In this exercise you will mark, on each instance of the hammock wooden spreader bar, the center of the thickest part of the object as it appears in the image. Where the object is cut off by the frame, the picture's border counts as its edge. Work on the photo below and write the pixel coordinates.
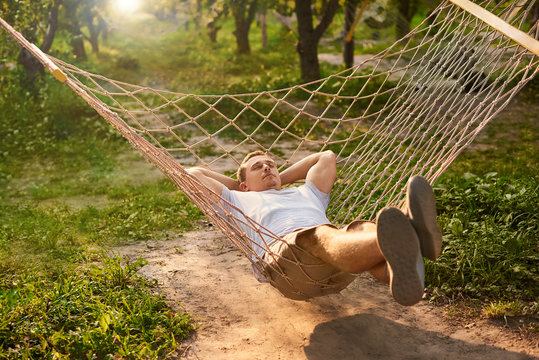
(409, 110)
(517, 35)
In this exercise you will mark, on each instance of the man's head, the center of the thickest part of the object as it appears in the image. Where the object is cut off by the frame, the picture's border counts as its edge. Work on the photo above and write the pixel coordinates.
(257, 172)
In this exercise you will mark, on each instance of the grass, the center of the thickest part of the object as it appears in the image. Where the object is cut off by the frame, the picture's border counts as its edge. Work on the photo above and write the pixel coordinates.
(56, 221)
(84, 199)
(71, 189)
(488, 205)
(490, 229)
(97, 313)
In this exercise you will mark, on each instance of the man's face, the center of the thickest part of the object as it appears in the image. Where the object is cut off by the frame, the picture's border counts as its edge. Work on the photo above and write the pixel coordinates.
(261, 174)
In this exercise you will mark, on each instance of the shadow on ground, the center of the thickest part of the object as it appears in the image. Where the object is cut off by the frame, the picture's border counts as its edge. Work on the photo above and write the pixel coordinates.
(367, 336)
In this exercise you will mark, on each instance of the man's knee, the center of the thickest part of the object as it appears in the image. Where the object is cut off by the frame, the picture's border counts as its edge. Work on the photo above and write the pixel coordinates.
(317, 239)
(307, 239)
(361, 226)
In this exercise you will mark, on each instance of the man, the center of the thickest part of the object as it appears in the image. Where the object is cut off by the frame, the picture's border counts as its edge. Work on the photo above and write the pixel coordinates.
(315, 258)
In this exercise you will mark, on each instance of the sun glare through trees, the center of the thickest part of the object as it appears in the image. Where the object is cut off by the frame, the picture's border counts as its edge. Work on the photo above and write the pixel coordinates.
(126, 6)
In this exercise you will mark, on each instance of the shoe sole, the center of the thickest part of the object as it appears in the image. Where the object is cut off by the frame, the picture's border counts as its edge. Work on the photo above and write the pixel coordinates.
(422, 213)
(399, 244)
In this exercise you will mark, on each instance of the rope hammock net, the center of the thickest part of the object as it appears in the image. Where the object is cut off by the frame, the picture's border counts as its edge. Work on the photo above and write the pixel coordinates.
(408, 110)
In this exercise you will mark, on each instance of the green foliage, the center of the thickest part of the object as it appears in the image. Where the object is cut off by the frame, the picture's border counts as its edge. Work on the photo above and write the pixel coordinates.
(490, 227)
(530, 93)
(27, 16)
(501, 309)
(97, 313)
(55, 148)
(37, 117)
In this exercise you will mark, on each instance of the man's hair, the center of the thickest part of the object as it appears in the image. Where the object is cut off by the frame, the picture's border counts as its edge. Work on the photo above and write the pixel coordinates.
(241, 170)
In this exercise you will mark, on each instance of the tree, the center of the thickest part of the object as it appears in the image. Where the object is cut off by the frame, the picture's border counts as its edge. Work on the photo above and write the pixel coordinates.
(217, 10)
(406, 10)
(348, 44)
(72, 24)
(263, 25)
(309, 35)
(38, 22)
(244, 12)
(94, 21)
(84, 21)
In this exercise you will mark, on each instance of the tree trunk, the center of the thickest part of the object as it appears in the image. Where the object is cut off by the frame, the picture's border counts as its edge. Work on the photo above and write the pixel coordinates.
(103, 28)
(535, 13)
(242, 34)
(309, 36)
(94, 41)
(308, 60)
(403, 26)
(307, 47)
(212, 31)
(77, 42)
(31, 65)
(94, 33)
(348, 46)
(52, 27)
(244, 13)
(263, 28)
(196, 13)
(95, 44)
(406, 10)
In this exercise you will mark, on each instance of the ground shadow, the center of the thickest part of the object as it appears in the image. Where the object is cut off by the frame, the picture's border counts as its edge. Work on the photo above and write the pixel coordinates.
(367, 336)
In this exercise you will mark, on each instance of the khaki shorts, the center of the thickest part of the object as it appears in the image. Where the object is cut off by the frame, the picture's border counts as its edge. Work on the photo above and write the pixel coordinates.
(298, 274)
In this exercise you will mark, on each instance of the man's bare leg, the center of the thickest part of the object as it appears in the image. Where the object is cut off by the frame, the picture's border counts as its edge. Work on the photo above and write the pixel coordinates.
(381, 272)
(353, 251)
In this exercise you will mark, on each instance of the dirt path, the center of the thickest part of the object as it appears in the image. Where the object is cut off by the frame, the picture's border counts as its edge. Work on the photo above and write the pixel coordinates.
(242, 319)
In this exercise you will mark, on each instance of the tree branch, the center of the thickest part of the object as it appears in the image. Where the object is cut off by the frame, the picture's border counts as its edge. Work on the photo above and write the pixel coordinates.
(53, 25)
(327, 18)
(251, 12)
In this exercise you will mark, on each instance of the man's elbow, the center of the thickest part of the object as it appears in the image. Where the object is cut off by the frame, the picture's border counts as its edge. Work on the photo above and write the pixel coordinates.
(197, 172)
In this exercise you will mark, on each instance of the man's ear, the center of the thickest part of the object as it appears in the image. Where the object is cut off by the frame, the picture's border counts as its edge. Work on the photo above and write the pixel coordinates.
(243, 187)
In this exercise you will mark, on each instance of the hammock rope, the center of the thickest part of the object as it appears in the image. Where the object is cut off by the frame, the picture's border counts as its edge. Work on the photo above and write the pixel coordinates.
(411, 109)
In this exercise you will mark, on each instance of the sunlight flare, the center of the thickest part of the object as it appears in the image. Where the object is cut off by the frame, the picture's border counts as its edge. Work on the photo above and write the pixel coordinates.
(127, 6)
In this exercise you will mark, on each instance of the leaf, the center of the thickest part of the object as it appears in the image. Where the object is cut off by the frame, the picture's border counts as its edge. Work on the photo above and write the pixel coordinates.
(104, 321)
(132, 216)
(456, 226)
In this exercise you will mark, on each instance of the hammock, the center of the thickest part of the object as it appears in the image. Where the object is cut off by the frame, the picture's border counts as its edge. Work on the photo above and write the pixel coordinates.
(408, 110)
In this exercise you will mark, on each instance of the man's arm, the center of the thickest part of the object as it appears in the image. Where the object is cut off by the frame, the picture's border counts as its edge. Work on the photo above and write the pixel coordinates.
(213, 180)
(319, 168)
